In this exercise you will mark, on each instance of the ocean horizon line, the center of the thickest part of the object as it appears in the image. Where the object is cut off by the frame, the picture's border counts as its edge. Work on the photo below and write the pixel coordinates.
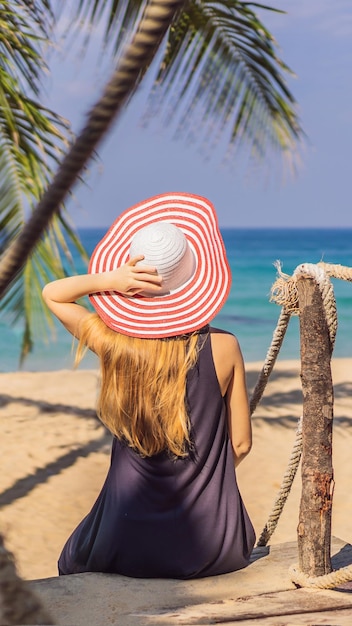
(248, 228)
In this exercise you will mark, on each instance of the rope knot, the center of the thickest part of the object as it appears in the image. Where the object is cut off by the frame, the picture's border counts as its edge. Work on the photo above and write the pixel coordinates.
(311, 270)
(284, 291)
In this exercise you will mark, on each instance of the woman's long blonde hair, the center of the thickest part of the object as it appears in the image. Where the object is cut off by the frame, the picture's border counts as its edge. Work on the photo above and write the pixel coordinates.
(143, 386)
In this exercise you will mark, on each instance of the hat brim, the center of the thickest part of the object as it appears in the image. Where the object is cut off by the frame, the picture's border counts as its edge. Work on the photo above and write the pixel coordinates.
(186, 309)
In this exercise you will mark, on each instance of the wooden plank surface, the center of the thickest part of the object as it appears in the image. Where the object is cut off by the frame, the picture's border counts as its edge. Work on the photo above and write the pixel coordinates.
(262, 593)
(297, 606)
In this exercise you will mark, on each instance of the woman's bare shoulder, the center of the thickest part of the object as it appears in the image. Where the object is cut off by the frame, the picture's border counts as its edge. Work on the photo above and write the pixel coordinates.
(223, 339)
(226, 355)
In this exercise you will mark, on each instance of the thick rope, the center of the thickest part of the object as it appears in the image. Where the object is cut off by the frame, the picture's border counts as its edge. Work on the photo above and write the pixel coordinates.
(271, 356)
(327, 581)
(273, 351)
(284, 490)
(270, 359)
(337, 271)
(284, 291)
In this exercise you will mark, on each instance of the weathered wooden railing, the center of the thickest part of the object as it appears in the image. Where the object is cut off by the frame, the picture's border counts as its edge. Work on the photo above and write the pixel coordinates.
(309, 294)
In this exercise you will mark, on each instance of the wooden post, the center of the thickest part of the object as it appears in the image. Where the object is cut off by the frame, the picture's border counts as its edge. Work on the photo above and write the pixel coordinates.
(314, 527)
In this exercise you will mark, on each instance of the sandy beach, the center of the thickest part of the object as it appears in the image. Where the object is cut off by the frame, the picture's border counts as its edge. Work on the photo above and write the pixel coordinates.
(55, 455)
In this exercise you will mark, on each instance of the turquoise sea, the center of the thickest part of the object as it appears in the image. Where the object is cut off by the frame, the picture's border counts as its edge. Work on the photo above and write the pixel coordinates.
(248, 312)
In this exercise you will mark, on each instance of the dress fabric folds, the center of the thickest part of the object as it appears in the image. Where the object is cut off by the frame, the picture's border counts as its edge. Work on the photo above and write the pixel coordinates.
(159, 517)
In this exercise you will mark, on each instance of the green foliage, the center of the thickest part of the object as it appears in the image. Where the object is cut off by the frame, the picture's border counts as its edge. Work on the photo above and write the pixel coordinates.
(220, 73)
(32, 139)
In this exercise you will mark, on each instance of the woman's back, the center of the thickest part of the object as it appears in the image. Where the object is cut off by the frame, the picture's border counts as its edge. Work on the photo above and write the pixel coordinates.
(166, 517)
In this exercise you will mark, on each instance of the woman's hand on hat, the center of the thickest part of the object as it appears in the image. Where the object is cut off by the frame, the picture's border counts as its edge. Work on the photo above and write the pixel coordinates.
(133, 278)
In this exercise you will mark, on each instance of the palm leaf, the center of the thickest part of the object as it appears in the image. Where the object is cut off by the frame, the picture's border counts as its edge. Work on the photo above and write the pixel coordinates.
(120, 18)
(32, 139)
(23, 304)
(24, 25)
(221, 70)
(221, 73)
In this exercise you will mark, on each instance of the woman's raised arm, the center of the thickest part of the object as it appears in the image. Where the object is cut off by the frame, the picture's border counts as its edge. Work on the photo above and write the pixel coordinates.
(129, 279)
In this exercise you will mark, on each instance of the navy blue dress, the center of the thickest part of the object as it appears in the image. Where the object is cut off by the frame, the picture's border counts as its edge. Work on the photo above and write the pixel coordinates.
(165, 518)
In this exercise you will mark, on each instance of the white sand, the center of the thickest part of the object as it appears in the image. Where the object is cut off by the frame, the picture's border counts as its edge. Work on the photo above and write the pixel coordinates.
(55, 455)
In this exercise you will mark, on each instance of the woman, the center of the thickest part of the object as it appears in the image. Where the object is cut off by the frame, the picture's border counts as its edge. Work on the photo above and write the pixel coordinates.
(173, 394)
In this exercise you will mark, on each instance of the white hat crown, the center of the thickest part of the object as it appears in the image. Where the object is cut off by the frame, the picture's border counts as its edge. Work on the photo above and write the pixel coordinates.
(165, 247)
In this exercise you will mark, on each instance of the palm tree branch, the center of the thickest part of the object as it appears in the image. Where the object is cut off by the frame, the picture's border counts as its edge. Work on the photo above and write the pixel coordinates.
(207, 37)
(227, 39)
(32, 139)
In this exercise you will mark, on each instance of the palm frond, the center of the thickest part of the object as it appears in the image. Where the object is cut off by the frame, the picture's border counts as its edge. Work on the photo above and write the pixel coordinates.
(23, 304)
(33, 134)
(11, 209)
(220, 75)
(221, 70)
(32, 140)
(24, 26)
(118, 18)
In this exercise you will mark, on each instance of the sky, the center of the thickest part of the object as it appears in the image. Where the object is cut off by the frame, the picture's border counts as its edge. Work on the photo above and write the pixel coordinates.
(133, 163)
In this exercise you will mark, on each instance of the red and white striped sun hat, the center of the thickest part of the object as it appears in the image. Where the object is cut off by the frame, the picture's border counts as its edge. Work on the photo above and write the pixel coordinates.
(192, 262)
